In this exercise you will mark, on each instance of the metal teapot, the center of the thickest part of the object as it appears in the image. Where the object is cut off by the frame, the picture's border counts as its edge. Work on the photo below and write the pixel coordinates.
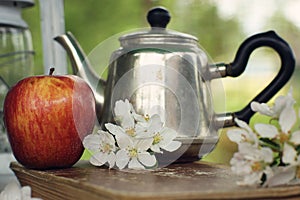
(164, 71)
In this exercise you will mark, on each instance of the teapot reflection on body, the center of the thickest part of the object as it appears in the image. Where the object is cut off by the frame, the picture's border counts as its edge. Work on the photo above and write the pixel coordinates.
(166, 72)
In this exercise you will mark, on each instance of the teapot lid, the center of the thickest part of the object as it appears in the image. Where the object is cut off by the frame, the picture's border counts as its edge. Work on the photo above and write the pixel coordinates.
(158, 18)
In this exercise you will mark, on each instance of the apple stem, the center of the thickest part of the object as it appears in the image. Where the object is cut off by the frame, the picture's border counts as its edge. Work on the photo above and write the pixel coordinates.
(51, 70)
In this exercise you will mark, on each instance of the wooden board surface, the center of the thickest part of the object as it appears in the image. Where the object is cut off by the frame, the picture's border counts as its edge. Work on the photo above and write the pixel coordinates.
(178, 181)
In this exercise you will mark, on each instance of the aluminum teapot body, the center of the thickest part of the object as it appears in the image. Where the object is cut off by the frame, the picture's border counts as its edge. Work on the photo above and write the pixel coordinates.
(165, 80)
(165, 72)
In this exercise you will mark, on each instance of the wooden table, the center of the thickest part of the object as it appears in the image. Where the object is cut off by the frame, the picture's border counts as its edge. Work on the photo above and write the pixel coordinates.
(178, 181)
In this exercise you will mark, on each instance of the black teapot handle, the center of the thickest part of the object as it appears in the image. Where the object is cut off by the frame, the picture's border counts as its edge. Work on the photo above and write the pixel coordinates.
(237, 67)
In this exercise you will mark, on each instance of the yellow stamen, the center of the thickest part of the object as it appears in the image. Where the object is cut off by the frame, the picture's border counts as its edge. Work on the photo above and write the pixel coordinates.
(157, 138)
(107, 148)
(133, 153)
(130, 132)
(146, 117)
(283, 137)
(256, 166)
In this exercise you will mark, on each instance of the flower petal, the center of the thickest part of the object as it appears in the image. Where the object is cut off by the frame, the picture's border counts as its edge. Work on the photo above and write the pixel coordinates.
(155, 124)
(138, 118)
(149, 128)
(114, 129)
(248, 150)
(281, 176)
(122, 159)
(236, 135)
(11, 191)
(266, 154)
(106, 137)
(123, 112)
(168, 136)
(144, 144)
(122, 108)
(26, 193)
(262, 108)
(266, 130)
(289, 154)
(135, 164)
(127, 122)
(287, 119)
(155, 148)
(239, 165)
(279, 104)
(92, 142)
(251, 179)
(172, 146)
(124, 141)
(99, 159)
(111, 159)
(295, 138)
(242, 124)
(147, 159)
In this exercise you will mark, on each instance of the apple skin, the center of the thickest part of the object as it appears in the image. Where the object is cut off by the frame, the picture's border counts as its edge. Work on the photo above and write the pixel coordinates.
(46, 119)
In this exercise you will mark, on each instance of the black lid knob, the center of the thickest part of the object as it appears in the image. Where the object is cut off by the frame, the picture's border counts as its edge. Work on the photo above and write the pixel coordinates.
(158, 17)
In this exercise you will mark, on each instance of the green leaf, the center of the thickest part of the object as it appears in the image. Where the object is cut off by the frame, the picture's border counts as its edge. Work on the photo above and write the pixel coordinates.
(86, 155)
(298, 149)
(276, 161)
(266, 142)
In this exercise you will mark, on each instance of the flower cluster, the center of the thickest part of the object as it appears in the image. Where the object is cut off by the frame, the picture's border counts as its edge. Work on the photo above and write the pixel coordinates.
(133, 143)
(14, 191)
(269, 155)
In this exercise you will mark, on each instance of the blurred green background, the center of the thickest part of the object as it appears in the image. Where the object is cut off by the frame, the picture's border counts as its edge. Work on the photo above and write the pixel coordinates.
(220, 25)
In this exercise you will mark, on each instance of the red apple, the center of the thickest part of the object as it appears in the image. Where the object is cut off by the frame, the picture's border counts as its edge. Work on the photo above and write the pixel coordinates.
(46, 119)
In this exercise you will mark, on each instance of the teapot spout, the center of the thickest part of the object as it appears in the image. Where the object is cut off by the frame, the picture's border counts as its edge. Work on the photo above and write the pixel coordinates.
(81, 67)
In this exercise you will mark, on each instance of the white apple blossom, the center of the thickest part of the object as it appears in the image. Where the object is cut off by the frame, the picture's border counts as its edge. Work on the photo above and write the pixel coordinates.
(124, 114)
(290, 155)
(145, 127)
(162, 136)
(288, 173)
(149, 125)
(133, 152)
(102, 144)
(251, 162)
(243, 134)
(137, 139)
(280, 175)
(284, 136)
(270, 154)
(280, 103)
(13, 191)
(163, 139)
